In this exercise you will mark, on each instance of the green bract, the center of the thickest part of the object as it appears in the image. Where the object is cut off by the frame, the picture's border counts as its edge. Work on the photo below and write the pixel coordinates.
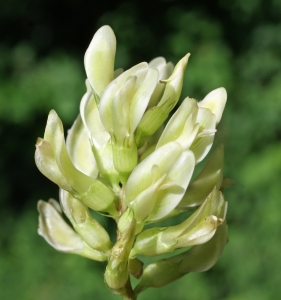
(121, 161)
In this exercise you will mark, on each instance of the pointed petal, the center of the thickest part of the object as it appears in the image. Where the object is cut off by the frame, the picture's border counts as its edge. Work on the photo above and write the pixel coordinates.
(175, 81)
(155, 116)
(215, 101)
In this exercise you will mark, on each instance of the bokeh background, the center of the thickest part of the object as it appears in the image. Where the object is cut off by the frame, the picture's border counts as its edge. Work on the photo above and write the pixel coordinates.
(234, 43)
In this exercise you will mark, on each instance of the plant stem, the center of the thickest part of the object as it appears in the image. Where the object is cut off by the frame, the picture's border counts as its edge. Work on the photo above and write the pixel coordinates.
(128, 293)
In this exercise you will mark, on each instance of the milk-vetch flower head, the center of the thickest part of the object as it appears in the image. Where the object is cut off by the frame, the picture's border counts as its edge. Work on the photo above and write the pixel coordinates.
(124, 159)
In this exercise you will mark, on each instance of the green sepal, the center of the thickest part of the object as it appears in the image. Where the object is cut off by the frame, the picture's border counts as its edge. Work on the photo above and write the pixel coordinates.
(125, 158)
(117, 270)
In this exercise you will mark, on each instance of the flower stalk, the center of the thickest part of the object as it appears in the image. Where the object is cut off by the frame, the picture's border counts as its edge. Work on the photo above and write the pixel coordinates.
(120, 161)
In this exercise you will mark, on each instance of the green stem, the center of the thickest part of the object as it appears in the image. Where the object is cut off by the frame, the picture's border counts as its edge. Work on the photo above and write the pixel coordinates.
(127, 292)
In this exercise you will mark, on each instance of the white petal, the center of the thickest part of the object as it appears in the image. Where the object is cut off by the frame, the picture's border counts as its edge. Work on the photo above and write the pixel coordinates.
(144, 203)
(187, 112)
(105, 106)
(215, 101)
(200, 234)
(60, 235)
(92, 122)
(179, 175)
(174, 82)
(205, 182)
(202, 144)
(121, 108)
(99, 59)
(141, 97)
(80, 150)
(141, 177)
(56, 231)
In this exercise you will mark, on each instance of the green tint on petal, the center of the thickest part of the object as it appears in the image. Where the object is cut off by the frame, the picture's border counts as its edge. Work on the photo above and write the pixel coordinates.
(198, 259)
(155, 116)
(121, 109)
(84, 224)
(144, 203)
(196, 229)
(203, 257)
(60, 235)
(99, 197)
(99, 59)
(176, 181)
(175, 81)
(141, 177)
(181, 125)
(205, 182)
(200, 234)
(52, 152)
(91, 119)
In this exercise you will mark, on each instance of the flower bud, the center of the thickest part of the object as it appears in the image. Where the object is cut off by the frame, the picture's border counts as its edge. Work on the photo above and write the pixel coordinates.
(99, 59)
(60, 235)
(215, 101)
(136, 267)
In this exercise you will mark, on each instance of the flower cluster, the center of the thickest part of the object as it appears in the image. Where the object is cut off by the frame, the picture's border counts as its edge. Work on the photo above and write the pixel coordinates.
(120, 160)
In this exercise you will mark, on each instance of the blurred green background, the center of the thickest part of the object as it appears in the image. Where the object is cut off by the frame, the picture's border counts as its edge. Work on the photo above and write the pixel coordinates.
(235, 44)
